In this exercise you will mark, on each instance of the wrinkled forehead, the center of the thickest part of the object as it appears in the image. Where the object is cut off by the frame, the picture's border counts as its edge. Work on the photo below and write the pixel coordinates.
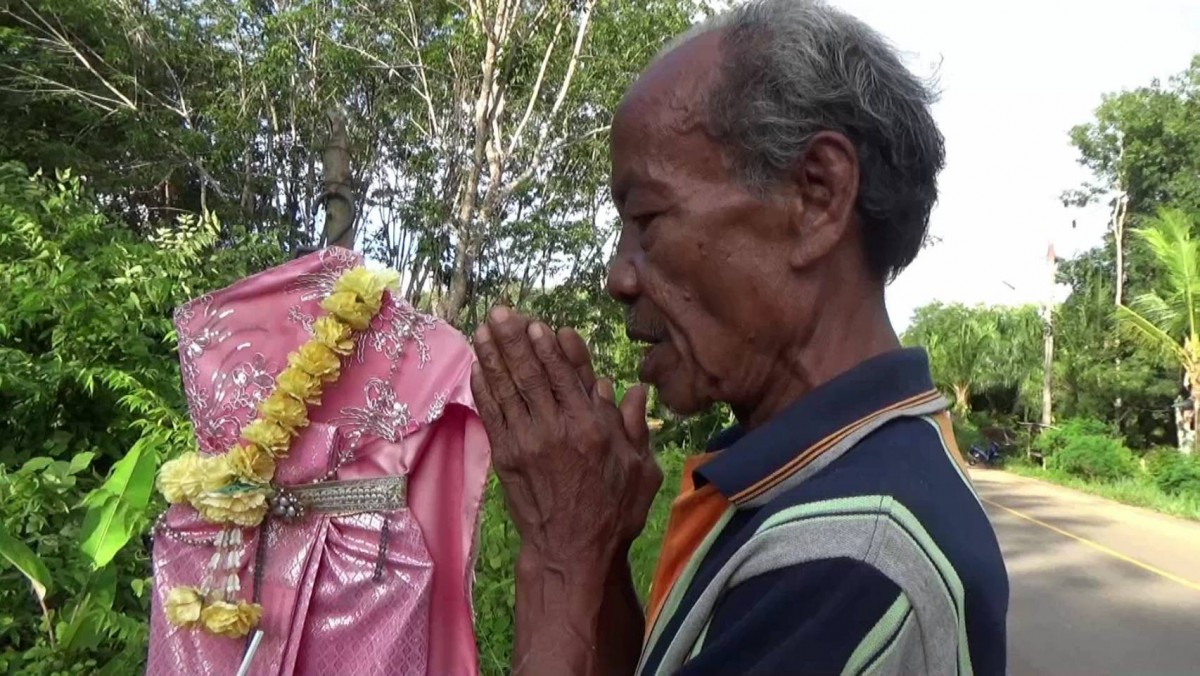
(661, 118)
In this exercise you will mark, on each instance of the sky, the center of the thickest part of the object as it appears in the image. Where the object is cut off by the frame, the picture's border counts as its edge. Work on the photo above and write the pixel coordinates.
(1015, 77)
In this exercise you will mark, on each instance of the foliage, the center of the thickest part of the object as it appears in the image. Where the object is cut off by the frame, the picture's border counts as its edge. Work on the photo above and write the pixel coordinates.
(1097, 374)
(477, 130)
(966, 433)
(478, 139)
(1093, 456)
(1146, 143)
(975, 348)
(1137, 490)
(1164, 322)
(89, 384)
(1174, 473)
(94, 619)
(1056, 438)
(1142, 148)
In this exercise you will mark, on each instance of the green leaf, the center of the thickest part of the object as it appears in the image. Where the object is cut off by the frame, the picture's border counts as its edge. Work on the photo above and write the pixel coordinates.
(77, 631)
(37, 464)
(26, 561)
(81, 462)
(115, 507)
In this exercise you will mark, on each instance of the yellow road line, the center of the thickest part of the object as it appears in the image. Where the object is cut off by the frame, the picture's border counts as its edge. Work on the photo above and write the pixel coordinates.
(1099, 547)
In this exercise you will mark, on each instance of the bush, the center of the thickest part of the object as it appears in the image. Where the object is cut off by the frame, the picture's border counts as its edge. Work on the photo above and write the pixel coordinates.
(90, 403)
(1054, 439)
(1093, 457)
(966, 433)
(1173, 472)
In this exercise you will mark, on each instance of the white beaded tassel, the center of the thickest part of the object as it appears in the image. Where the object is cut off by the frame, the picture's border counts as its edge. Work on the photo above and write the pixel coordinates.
(233, 564)
(209, 585)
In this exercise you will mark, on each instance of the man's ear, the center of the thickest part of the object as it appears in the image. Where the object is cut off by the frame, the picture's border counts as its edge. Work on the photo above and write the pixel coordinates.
(826, 180)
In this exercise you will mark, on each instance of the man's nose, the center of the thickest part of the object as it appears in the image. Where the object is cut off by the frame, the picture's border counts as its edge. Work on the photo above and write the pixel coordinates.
(622, 282)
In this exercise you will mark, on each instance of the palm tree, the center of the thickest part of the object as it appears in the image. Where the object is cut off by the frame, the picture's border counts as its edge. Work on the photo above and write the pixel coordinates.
(1166, 322)
(959, 341)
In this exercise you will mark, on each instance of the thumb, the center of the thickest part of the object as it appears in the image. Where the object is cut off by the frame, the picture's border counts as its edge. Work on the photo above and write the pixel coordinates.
(633, 415)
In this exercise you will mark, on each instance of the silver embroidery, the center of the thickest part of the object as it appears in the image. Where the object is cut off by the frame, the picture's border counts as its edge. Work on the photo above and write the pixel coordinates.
(232, 403)
(311, 286)
(397, 325)
(220, 408)
(252, 380)
(298, 316)
(383, 416)
(437, 407)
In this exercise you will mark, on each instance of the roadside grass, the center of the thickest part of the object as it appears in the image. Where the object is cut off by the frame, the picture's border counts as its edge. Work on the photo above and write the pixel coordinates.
(1136, 491)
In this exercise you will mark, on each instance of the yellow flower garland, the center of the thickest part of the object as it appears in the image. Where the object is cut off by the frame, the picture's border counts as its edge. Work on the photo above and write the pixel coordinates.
(232, 489)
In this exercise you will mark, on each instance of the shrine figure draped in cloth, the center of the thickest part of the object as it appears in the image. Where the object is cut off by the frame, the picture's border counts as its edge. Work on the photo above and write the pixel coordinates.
(327, 523)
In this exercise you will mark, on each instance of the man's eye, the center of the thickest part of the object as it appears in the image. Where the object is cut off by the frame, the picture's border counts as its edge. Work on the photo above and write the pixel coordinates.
(645, 220)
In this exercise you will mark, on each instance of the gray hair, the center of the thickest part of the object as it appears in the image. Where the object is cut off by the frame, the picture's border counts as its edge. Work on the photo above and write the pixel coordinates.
(793, 68)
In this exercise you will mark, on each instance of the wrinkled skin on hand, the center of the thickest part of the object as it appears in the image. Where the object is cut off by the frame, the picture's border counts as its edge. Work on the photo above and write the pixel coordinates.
(575, 467)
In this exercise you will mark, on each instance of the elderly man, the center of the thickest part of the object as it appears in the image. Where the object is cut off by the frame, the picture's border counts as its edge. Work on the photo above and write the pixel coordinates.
(773, 170)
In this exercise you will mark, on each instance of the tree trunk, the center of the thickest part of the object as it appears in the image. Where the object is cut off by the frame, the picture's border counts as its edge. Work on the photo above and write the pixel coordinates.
(962, 398)
(1120, 214)
(338, 197)
(1048, 372)
(1195, 389)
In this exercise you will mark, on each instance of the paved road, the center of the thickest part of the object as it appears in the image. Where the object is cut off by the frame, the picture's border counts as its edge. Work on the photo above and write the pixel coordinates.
(1097, 588)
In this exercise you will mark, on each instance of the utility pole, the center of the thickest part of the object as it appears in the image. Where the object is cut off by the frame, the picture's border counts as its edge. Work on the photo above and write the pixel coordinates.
(1048, 339)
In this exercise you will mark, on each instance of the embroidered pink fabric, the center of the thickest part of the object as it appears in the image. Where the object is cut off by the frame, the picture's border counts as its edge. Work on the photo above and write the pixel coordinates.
(402, 406)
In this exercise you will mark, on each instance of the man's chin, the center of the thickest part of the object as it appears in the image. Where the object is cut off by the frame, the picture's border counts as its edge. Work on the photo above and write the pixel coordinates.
(679, 400)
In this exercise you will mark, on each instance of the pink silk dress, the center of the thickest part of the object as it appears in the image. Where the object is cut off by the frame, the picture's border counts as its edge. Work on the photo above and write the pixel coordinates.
(356, 590)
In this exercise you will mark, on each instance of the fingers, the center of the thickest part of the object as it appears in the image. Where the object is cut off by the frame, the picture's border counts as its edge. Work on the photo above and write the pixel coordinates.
(633, 416)
(564, 379)
(522, 368)
(578, 355)
(604, 390)
(489, 409)
(499, 385)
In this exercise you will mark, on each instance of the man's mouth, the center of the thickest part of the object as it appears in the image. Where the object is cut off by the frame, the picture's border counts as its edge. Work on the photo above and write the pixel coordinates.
(644, 337)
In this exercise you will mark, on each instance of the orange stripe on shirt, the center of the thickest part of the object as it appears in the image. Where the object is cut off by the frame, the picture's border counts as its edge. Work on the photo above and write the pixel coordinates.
(693, 515)
(804, 459)
(946, 425)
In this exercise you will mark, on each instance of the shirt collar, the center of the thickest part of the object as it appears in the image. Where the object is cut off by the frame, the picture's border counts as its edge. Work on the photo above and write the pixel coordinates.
(751, 459)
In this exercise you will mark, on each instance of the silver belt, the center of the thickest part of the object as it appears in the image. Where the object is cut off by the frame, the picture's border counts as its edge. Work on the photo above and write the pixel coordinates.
(340, 498)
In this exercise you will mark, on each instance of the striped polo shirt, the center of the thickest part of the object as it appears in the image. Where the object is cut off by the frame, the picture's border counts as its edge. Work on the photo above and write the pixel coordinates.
(841, 537)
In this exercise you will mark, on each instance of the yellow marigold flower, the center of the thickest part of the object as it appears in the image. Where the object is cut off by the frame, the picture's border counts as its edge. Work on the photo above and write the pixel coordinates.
(251, 464)
(367, 285)
(348, 307)
(231, 620)
(316, 360)
(299, 385)
(241, 508)
(183, 606)
(269, 436)
(182, 479)
(216, 472)
(285, 410)
(334, 334)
